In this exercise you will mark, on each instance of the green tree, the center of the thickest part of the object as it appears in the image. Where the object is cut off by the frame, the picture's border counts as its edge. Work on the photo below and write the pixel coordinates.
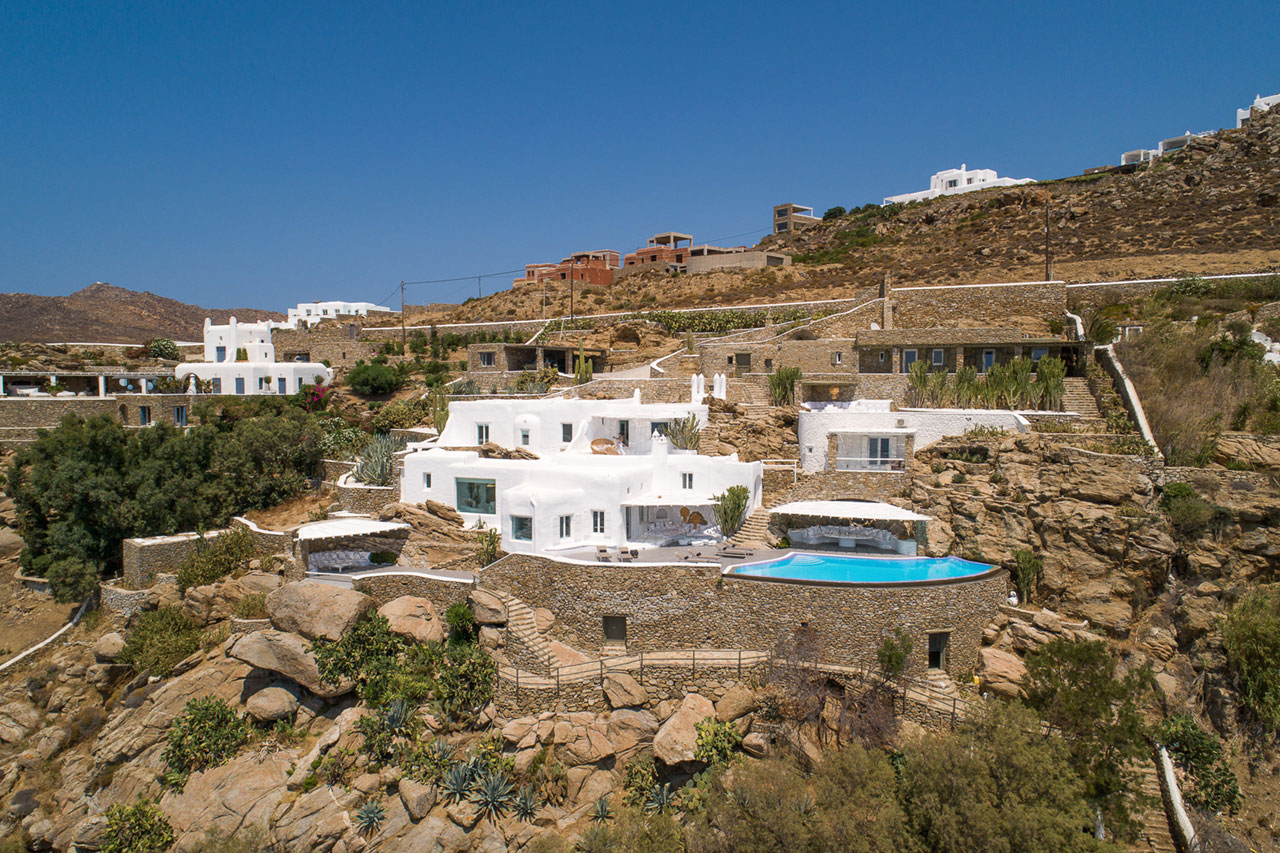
(997, 785)
(894, 652)
(1251, 637)
(1074, 687)
(164, 348)
(373, 380)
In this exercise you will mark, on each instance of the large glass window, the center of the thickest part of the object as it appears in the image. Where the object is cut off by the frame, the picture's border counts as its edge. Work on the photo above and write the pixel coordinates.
(180, 416)
(477, 496)
(522, 528)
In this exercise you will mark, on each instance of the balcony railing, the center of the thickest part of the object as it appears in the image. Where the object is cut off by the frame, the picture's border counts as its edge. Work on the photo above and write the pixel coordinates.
(871, 463)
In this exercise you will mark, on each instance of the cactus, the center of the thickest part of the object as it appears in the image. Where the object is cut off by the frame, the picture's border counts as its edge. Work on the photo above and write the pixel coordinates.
(377, 462)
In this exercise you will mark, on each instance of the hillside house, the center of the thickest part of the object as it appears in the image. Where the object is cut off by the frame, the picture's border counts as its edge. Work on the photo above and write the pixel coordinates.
(790, 217)
(516, 358)
(1260, 104)
(240, 359)
(585, 473)
(310, 313)
(594, 267)
(955, 181)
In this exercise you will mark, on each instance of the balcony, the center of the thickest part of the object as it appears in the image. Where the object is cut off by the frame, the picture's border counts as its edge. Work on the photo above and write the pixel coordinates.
(875, 464)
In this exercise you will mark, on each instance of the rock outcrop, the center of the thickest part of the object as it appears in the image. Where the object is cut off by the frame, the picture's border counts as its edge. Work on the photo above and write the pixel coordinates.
(317, 611)
(288, 655)
(677, 740)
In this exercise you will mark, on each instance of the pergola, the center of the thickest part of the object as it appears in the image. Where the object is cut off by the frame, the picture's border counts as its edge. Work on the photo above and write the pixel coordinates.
(856, 511)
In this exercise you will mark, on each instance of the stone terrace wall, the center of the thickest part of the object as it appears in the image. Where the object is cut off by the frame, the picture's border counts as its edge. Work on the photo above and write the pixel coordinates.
(928, 307)
(143, 559)
(21, 417)
(693, 606)
(651, 390)
(390, 585)
(661, 681)
(848, 324)
(357, 497)
(845, 485)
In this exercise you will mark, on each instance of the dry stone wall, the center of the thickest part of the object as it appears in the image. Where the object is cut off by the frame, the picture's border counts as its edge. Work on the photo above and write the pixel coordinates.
(929, 307)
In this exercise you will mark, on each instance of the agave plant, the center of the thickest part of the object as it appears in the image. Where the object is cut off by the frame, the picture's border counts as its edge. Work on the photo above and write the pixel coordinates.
(601, 811)
(369, 817)
(525, 804)
(441, 751)
(492, 795)
(456, 784)
(684, 433)
(661, 799)
(398, 717)
(377, 462)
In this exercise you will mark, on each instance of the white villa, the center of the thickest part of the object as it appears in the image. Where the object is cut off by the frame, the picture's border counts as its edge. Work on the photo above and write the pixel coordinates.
(871, 436)
(962, 180)
(239, 358)
(604, 474)
(1259, 103)
(311, 313)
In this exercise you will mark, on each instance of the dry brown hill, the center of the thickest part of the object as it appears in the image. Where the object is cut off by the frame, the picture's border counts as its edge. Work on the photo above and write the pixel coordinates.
(1213, 207)
(103, 313)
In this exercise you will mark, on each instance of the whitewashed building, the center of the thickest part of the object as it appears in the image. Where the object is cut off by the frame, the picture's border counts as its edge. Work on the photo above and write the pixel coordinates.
(1259, 103)
(604, 474)
(954, 181)
(311, 313)
(239, 358)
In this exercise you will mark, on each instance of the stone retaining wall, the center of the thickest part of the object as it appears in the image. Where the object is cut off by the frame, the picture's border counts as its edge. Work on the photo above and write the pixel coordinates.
(661, 681)
(122, 602)
(335, 468)
(359, 498)
(931, 307)
(387, 586)
(142, 559)
(693, 606)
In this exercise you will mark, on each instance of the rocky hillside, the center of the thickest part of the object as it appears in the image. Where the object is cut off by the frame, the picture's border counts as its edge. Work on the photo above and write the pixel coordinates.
(1210, 208)
(103, 313)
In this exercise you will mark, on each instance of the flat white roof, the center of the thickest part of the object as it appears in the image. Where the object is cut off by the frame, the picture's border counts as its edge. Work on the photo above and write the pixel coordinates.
(335, 527)
(862, 510)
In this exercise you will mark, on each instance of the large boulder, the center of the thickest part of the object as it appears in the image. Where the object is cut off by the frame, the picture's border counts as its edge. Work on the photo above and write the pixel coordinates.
(17, 718)
(231, 798)
(623, 691)
(288, 655)
(488, 608)
(11, 543)
(414, 618)
(272, 703)
(629, 729)
(108, 648)
(1001, 672)
(317, 611)
(737, 701)
(677, 740)
(418, 799)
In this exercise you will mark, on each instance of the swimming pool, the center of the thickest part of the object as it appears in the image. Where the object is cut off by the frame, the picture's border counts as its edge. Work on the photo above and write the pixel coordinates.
(841, 568)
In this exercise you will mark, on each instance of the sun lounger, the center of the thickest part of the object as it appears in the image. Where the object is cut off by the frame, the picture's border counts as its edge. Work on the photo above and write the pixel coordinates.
(624, 557)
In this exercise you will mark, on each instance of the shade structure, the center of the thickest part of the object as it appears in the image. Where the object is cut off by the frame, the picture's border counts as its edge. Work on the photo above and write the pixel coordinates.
(854, 510)
(337, 528)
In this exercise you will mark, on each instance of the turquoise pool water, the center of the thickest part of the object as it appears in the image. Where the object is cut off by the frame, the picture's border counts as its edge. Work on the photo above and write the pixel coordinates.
(853, 569)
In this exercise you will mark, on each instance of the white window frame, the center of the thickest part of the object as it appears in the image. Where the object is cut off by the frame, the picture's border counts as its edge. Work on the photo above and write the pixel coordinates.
(482, 433)
(426, 480)
(566, 526)
(512, 524)
(686, 479)
(915, 356)
(938, 357)
(597, 521)
(837, 358)
(488, 359)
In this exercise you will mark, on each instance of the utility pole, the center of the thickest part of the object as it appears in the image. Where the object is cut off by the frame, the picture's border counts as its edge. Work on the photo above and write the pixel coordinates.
(571, 288)
(479, 292)
(404, 335)
(1048, 247)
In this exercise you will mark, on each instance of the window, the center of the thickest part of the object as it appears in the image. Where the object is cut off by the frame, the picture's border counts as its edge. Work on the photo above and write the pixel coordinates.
(881, 359)
(426, 480)
(482, 433)
(909, 357)
(615, 629)
(217, 386)
(566, 433)
(768, 365)
(488, 359)
(220, 354)
(180, 416)
(837, 358)
(597, 521)
(299, 388)
(282, 385)
(878, 451)
(522, 528)
(478, 496)
(524, 437)
(1038, 353)
(686, 480)
(239, 384)
(951, 184)
(968, 181)
(660, 427)
(988, 359)
(624, 433)
(144, 415)
(939, 357)
(566, 526)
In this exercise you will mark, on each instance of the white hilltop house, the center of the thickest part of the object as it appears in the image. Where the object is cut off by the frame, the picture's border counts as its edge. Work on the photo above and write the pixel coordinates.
(239, 358)
(310, 313)
(962, 180)
(1260, 104)
(605, 473)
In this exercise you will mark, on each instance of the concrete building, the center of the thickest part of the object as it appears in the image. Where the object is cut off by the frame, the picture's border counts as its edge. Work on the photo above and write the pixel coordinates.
(789, 217)
(311, 313)
(1260, 104)
(955, 181)
(593, 472)
(240, 358)
(707, 258)
(669, 248)
(513, 358)
(590, 267)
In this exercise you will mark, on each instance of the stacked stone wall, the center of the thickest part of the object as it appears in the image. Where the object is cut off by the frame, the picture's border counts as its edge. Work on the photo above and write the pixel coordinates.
(390, 585)
(359, 498)
(661, 681)
(22, 417)
(144, 558)
(932, 307)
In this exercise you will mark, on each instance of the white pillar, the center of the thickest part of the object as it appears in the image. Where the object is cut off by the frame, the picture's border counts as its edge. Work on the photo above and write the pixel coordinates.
(1, 386)
(142, 380)
(102, 386)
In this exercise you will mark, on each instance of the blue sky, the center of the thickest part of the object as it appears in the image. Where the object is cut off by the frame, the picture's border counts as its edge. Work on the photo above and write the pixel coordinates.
(259, 154)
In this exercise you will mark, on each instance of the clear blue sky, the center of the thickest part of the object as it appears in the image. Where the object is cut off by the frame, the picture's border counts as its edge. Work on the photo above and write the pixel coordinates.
(258, 154)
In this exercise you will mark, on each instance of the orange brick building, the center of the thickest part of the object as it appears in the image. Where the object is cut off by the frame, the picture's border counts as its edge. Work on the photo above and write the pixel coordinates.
(594, 267)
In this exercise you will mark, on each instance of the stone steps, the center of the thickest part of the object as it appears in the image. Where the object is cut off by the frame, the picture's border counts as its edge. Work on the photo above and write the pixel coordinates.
(1155, 835)
(522, 625)
(940, 681)
(755, 530)
(1079, 398)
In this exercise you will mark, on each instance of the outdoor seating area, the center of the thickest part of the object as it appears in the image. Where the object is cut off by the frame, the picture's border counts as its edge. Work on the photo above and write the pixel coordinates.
(845, 535)
(339, 561)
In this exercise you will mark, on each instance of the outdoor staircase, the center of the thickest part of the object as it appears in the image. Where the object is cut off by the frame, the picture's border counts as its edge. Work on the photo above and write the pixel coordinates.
(941, 684)
(522, 629)
(754, 531)
(1079, 398)
(1155, 835)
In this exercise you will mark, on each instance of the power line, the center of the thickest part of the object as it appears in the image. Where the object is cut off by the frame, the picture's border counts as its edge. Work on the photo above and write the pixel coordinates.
(466, 277)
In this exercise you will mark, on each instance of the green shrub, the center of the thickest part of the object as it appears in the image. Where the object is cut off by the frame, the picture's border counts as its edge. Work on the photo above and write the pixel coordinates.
(1214, 787)
(164, 348)
(71, 579)
(894, 651)
(159, 640)
(369, 654)
(1189, 513)
(342, 440)
(833, 213)
(1251, 638)
(782, 386)
(639, 777)
(373, 380)
(206, 734)
(717, 741)
(252, 606)
(383, 558)
(730, 508)
(490, 542)
(399, 414)
(461, 622)
(139, 828)
(217, 557)
(1027, 567)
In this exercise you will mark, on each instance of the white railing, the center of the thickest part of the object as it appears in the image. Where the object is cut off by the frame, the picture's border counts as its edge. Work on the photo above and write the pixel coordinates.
(871, 463)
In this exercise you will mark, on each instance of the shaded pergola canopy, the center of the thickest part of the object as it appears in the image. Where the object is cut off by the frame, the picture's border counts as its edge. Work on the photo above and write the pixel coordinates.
(850, 510)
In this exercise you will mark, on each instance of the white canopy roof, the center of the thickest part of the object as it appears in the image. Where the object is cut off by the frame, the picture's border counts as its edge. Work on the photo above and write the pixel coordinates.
(672, 498)
(336, 527)
(861, 510)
